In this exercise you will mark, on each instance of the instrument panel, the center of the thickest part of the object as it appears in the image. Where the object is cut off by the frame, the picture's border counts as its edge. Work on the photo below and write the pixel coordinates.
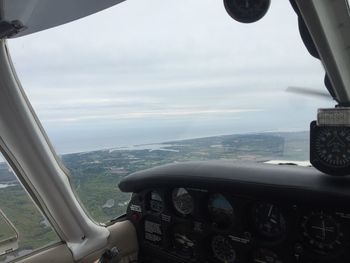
(226, 212)
(197, 225)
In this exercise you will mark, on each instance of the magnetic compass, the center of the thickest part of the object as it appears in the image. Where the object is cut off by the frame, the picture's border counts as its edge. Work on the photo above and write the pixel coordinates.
(330, 149)
(247, 11)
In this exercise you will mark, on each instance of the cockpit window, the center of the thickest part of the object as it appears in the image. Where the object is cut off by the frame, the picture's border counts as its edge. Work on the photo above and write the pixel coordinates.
(148, 83)
(23, 228)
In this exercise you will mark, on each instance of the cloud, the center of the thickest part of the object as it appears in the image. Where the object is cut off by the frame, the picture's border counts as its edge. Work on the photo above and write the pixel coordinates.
(153, 114)
(153, 60)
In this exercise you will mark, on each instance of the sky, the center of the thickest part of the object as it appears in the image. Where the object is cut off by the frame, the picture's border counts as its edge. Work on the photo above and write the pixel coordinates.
(154, 71)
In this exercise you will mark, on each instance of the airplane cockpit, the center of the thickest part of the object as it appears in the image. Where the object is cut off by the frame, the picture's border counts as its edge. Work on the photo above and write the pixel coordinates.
(269, 195)
(220, 211)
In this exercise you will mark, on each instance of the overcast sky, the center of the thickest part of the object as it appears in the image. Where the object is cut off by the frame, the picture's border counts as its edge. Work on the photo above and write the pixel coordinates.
(150, 71)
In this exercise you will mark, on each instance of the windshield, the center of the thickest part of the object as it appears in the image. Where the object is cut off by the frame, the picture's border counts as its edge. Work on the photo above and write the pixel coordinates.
(149, 83)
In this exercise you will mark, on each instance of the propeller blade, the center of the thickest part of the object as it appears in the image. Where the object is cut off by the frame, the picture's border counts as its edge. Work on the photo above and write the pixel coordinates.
(309, 92)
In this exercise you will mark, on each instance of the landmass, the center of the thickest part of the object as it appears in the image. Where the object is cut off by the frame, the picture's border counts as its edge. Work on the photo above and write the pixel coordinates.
(95, 175)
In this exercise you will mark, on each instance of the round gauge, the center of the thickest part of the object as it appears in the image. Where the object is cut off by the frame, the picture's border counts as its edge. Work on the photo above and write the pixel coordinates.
(156, 202)
(220, 211)
(183, 240)
(332, 146)
(321, 231)
(247, 11)
(265, 256)
(269, 221)
(182, 201)
(223, 250)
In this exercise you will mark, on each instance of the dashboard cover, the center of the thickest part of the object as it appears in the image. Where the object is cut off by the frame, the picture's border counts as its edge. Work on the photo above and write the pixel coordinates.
(282, 181)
